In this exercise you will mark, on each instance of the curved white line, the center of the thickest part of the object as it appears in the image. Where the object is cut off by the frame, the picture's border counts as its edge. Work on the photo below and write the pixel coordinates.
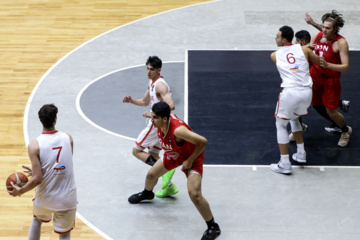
(78, 97)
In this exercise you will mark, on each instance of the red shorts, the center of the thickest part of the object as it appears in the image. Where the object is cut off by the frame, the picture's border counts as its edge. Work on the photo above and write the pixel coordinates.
(197, 166)
(326, 92)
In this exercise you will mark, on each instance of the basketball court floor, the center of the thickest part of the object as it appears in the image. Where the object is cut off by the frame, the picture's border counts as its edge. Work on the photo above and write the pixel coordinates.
(216, 58)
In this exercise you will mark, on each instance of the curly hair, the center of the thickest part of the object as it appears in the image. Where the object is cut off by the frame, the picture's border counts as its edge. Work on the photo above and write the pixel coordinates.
(334, 17)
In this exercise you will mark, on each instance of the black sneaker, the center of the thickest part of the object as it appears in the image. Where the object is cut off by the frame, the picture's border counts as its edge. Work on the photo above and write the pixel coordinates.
(138, 197)
(212, 232)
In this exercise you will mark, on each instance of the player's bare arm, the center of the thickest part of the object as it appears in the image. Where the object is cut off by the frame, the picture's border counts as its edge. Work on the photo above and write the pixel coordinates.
(36, 179)
(184, 134)
(273, 56)
(164, 95)
(71, 142)
(311, 22)
(310, 55)
(342, 47)
(139, 102)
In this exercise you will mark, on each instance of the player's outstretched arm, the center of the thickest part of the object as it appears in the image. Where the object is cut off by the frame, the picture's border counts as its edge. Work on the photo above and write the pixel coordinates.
(311, 22)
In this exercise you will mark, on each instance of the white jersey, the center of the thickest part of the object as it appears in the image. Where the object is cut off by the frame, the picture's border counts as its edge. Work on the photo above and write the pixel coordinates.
(152, 90)
(57, 191)
(293, 67)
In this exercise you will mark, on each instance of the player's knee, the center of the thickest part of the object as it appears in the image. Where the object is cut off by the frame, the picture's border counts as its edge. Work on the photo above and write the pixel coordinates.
(151, 175)
(195, 196)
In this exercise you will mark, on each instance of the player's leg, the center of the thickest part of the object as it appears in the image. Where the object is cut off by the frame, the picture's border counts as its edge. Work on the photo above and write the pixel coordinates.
(339, 119)
(202, 205)
(64, 222)
(300, 155)
(284, 165)
(151, 179)
(35, 229)
(40, 215)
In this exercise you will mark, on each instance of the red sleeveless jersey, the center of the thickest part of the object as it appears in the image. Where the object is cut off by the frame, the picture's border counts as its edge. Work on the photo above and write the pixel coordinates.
(173, 151)
(329, 55)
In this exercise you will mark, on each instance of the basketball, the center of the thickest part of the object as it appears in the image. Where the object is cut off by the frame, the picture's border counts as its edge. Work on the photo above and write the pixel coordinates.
(19, 179)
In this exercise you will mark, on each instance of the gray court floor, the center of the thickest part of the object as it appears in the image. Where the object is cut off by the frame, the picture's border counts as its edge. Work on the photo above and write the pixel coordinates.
(249, 202)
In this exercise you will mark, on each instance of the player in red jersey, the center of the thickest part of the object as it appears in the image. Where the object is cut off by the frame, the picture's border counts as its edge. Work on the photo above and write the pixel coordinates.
(183, 148)
(334, 52)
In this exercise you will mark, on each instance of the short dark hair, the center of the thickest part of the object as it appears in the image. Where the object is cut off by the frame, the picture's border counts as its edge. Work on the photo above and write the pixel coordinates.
(154, 61)
(161, 109)
(334, 17)
(287, 33)
(47, 115)
(303, 35)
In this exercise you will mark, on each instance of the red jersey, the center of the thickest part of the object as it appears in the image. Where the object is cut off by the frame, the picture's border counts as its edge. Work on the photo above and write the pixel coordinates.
(173, 151)
(329, 55)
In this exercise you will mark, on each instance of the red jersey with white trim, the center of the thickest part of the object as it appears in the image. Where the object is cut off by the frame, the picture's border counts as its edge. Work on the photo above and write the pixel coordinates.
(57, 190)
(152, 90)
(325, 49)
(173, 151)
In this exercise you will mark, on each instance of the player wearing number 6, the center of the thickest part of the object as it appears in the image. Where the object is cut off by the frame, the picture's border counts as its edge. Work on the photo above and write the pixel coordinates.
(295, 98)
(52, 175)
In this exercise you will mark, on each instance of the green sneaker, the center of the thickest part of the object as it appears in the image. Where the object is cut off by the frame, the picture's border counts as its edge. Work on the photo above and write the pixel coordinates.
(172, 190)
(166, 178)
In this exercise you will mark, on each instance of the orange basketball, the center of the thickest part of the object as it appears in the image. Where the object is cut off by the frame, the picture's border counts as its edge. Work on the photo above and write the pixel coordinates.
(19, 179)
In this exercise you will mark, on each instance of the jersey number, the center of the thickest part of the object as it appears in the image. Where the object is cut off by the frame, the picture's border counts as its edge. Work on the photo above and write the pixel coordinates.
(290, 58)
(59, 151)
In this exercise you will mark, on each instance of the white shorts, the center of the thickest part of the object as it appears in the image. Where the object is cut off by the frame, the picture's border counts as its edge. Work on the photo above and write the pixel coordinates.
(293, 102)
(63, 221)
(148, 138)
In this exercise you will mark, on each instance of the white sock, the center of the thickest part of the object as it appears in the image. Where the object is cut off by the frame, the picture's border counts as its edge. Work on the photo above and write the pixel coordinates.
(285, 159)
(300, 148)
(35, 229)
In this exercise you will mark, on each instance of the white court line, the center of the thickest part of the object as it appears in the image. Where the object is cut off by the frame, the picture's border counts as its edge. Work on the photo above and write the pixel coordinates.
(33, 92)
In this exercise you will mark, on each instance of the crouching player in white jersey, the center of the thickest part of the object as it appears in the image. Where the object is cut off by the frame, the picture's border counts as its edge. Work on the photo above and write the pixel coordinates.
(295, 98)
(52, 175)
(157, 91)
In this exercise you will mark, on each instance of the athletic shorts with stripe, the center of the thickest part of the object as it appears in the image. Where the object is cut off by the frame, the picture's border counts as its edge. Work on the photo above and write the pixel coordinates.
(293, 102)
(63, 221)
(148, 138)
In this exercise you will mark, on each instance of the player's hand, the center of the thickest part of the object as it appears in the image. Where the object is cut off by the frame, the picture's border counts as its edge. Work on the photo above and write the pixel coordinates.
(147, 114)
(186, 165)
(16, 190)
(28, 170)
(126, 99)
(311, 46)
(308, 19)
(323, 62)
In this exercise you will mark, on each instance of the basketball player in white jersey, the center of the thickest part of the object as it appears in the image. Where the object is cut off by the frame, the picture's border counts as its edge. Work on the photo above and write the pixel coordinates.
(52, 175)
(157, 91)
(295, 98)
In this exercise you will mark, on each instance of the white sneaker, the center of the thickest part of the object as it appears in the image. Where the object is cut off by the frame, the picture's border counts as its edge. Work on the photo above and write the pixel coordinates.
(299, 157)
(281, 168)
(291, 135)
(345, 138)
(333, 129)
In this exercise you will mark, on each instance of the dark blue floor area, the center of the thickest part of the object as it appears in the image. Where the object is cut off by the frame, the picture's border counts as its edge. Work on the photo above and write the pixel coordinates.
(232, 98)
